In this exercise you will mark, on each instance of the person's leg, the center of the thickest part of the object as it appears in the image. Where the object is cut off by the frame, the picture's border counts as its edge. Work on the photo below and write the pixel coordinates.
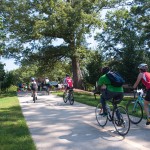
(146, 106)
(106, 95)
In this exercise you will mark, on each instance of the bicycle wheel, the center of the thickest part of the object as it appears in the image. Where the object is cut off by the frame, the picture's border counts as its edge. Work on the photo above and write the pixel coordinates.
(71, 98)
(34, 98)
(47, 91)
(121, 120)
(65, 97)
(135, 111)
(101, 119)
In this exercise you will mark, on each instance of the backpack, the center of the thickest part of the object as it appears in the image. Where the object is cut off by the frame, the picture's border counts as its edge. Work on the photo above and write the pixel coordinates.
(46, 81)
(33, 85)
(146, 79)
(69, 82)
(115, 79)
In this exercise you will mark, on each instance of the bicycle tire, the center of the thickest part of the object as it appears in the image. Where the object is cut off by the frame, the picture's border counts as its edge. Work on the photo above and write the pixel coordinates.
(34, 98)
(135, 111)
(65, 99)
(121, 120)
(102, 120)
(71, 98)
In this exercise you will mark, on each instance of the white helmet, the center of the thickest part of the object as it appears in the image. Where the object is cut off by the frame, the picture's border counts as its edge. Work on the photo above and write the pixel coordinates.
(143, 66)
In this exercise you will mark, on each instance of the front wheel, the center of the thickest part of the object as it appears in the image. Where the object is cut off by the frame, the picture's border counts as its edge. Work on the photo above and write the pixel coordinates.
(34, 97)
(121, 120)
(135, 111)
(101, 119)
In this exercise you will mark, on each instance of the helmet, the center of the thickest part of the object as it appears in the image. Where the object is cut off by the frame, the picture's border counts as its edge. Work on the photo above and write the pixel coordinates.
(105, 70)
(32, 79)
(143, 66)
(67, 75)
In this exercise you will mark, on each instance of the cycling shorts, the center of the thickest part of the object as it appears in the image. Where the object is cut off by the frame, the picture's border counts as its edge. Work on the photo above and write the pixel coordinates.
(147, 97)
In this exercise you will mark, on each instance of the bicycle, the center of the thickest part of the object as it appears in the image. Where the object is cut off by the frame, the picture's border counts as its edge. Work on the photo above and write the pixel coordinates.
(69, 96)
(135, 107)
(117, 115)
(47, 90)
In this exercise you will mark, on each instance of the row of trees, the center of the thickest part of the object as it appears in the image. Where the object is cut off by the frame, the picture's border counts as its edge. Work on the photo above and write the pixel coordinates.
(30, 28)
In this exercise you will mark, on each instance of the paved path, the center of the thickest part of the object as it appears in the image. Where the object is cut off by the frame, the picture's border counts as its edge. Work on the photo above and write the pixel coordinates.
(55, 125)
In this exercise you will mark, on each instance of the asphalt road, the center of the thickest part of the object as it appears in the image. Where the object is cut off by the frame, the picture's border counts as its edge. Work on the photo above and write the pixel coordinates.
(55, 125)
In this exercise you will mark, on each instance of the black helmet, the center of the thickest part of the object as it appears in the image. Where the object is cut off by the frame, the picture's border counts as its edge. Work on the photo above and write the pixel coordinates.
(105, 70)
(67, 75)
(143, 66)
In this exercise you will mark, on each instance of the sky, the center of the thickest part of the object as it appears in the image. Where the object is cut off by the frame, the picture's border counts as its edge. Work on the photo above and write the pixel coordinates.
(9, 64)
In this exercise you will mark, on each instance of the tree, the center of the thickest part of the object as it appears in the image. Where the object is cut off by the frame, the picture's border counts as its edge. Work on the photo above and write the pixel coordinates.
(93, 69)
(123, 44)
(33, 25)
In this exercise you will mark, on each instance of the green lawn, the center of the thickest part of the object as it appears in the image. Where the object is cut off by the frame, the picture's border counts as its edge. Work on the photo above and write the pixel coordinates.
(14, 133)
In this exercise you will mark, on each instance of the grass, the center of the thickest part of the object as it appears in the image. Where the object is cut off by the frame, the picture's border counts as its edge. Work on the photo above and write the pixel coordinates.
(14, 133)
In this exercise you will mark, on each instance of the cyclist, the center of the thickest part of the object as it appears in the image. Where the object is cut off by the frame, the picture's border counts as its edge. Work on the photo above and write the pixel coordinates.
(144, 77)
(68, 83)
(108, 91)
(34, 87)
(47, 84)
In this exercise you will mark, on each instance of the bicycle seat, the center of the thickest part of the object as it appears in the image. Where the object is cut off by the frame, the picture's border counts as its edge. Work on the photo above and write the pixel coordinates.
(71, 89)
(116, 100)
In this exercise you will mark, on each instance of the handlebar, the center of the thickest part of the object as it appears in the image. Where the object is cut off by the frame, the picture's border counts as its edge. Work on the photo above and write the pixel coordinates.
(140, 92)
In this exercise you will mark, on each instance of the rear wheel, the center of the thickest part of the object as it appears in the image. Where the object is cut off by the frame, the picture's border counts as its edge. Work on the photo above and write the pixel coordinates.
(71, 98)
(65, 97)
(135, 111)
(101, 119)
(121, 120)
(34, 98)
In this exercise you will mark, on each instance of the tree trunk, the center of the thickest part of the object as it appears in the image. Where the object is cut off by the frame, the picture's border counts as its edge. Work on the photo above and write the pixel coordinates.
(77, 75)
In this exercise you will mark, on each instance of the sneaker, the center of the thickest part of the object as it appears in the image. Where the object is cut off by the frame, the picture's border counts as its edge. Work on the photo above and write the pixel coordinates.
(148, 121)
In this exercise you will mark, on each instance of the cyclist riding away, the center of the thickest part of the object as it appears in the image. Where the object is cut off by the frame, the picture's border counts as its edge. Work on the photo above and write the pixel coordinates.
(144, 77)
(68, 83)
(34, 87)
(47, 84)
(108, 91)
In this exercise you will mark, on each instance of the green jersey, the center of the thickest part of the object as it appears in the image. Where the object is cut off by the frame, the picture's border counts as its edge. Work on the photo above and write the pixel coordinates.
(103, 80)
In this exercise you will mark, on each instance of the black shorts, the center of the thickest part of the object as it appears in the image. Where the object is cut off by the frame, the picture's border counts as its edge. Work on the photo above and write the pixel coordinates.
(33, 88)
(147, 97)
(108, 95)
(69, 88)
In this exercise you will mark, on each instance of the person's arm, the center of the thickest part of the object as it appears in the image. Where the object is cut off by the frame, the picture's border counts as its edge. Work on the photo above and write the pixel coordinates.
(138, 80)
